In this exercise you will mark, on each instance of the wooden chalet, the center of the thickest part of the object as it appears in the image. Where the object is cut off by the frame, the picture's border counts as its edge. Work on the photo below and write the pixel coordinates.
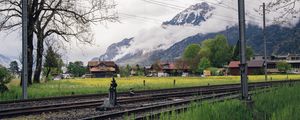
(292, 59)
(167, 69)
(102, 69)
(150, 71)
(173, 69)
(254, 67)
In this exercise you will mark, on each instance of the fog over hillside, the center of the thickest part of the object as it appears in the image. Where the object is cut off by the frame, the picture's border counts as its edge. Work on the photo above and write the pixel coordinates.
(147, 24)
(198, 19)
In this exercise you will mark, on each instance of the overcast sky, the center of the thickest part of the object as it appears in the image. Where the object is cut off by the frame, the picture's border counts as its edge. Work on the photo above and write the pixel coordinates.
(108, 33)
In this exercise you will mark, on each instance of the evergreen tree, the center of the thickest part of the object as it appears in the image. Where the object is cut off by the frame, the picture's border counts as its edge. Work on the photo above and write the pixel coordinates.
(77, 68)
(14, 67)
(53, 63)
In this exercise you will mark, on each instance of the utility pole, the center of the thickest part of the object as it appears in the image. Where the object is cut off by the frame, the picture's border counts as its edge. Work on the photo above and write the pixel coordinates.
(24, 47)
(265, 42)
(243, 62)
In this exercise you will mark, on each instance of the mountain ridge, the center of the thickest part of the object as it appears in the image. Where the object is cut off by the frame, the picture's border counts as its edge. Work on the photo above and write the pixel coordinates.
(5, 61)
(280, 39)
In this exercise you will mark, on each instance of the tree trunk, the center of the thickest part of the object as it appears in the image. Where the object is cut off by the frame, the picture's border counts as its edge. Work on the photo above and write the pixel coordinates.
(30, 58)
(31, 22)
(39, 59)
(29, 54)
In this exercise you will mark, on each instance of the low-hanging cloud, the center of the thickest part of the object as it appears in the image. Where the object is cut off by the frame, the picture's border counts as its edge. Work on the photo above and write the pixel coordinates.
(163, 37)
(153, 36)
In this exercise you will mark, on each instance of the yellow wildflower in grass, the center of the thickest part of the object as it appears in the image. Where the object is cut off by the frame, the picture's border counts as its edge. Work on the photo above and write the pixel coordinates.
(101, 85)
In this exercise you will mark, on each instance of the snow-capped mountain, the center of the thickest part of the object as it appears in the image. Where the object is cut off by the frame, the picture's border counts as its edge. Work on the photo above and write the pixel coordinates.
(155, 40)
(193, 25)
(115, 49)
(194, 15)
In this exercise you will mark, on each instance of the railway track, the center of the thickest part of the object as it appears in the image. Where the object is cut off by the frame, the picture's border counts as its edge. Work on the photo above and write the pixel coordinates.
(154, 111)
(142, 92)
(209, 99)
(118, 115)
(192, 91)
(95, 103)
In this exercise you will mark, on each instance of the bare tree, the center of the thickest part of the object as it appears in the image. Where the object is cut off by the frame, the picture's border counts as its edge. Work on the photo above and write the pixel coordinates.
(65, 19)
(10, 19)
(288, 9)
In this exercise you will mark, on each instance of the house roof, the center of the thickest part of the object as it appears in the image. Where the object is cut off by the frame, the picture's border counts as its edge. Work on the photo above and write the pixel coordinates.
(93, 63)
(102, 69)
(235, 64)
(102, 66)
(173, 66)
(106, 63)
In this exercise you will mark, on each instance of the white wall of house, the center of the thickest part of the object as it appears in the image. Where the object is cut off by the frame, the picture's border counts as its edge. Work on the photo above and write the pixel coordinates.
(162, 74)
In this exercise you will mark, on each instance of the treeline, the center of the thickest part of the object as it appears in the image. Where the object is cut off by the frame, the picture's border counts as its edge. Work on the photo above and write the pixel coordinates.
(53, 66)
(135, 70)
(212, 53)
(61, 21)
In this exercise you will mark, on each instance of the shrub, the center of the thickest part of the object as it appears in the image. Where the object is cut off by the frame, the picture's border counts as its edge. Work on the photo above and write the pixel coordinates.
(214, 71)
(5, 77)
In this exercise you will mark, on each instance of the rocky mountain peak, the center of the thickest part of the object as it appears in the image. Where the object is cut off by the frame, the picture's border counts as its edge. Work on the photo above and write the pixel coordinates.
(193, 15)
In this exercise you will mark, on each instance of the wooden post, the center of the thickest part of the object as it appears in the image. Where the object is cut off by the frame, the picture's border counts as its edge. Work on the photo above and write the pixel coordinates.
(174, 82)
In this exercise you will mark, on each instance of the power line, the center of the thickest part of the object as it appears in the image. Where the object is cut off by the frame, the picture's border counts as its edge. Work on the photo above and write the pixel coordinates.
(163, 4)
(142, 17)
(157, 21)
(220, 5)
(149, 19)
(177, 7)
(167, 4)
(229, 7)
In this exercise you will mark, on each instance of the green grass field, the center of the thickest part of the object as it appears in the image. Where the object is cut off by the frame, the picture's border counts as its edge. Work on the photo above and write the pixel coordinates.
(281, 104)
(101, 85)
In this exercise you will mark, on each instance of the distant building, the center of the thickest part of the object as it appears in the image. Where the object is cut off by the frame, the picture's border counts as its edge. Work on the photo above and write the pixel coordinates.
(173, 69)
(288, 57)
(137, 70)
(293, 59)
(254, 67)
(102, 69)
(149, 71)
(165, 69)
(259, 58)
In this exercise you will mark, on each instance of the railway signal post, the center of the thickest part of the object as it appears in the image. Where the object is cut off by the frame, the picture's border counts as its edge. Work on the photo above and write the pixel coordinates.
(265, 43)
(111, 102)
(24, 49)
(113, 92)
(243, 62)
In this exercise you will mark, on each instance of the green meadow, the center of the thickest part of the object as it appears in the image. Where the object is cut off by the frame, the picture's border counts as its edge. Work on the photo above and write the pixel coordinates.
(80, 86)
(279, 104)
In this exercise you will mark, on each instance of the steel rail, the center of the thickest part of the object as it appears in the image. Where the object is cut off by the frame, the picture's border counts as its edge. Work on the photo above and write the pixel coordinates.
(158, 96)
(137, 92)
(85, 104)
